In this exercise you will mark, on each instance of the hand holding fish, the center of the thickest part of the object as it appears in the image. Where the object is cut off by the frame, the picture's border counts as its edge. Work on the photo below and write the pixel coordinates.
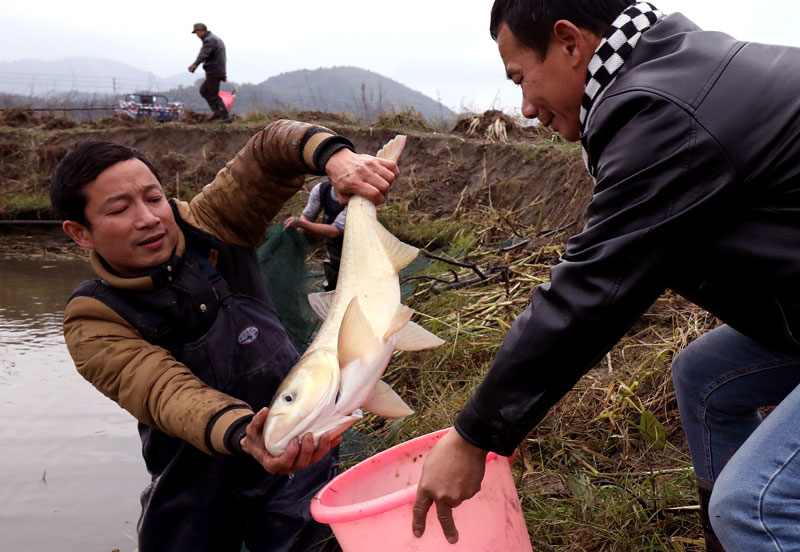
(363, 175)
(298, 455)
(452, 473)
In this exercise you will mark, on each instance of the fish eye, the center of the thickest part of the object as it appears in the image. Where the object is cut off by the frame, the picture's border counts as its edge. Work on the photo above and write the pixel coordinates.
(288, 397)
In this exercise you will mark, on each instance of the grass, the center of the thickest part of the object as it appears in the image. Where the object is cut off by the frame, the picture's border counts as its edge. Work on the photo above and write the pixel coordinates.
(608, 468)
(14, 204)
(423, 230)
(546, 145)
(407, 118)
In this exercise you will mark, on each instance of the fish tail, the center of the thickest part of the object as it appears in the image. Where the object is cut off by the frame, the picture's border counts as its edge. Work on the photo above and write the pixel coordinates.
(393, 148)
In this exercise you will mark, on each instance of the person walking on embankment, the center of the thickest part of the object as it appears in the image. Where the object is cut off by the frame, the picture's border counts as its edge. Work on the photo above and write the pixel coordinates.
(212, 56)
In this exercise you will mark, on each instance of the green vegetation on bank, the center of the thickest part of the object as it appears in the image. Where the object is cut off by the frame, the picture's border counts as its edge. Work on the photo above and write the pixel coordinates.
(608, 468)
(11, 203)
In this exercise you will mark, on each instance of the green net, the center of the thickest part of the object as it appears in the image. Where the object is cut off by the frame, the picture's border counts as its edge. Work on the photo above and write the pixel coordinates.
(282, 258)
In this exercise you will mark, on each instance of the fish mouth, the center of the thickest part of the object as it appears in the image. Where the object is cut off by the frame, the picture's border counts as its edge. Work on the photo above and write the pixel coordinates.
(272, 440)
(313, 399)
(273, 430)
(285, 426)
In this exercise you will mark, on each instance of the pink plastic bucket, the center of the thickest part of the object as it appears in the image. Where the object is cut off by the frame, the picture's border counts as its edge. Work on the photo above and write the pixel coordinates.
(369, 507)
(227, 99)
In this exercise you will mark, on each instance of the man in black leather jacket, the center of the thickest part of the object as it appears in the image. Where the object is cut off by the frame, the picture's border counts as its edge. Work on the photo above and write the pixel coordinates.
(693, 139)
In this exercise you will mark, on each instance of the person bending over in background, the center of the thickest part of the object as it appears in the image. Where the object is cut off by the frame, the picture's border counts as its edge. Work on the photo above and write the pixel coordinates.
(212, 56)
(694, 145)
(178, 330)
(323, 199)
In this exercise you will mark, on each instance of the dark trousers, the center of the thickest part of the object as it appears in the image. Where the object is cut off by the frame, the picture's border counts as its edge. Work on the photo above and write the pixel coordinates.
(210, 91)
(330, 266)
(202, 503)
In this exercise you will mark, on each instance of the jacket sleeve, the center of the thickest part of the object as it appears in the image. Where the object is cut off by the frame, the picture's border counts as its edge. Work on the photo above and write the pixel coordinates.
(247, 194)
(148, 382)
(659, 177)
(205, 51)
(314, 204)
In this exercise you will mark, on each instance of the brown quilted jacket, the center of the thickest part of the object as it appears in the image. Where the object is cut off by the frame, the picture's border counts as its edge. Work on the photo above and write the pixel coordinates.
(237, 207)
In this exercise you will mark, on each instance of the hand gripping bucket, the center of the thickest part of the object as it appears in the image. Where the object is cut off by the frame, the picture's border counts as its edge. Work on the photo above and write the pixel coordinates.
(369, 507)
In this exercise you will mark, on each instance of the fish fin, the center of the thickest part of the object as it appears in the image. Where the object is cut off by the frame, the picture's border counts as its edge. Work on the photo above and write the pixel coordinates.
(413, 337)
(355, 334)
(401, 317)
(321, 303)
(385, 402)
(400, 254)
(393, 148)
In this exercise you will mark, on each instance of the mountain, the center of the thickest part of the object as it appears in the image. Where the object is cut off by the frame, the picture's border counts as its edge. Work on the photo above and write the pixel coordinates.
(35, 77)
(365, 94)
(345, 89)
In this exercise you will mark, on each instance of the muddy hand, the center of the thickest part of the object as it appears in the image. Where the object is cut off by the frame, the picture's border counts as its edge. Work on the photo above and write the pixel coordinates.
(291, 222)
(452, 473)
(364, 175)
(298, 455)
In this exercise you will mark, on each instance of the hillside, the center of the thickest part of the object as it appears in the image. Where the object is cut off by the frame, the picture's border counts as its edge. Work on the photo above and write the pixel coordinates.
(608, 468)
(83, 75)
(97, 82)
(341, 89)
(361, 93)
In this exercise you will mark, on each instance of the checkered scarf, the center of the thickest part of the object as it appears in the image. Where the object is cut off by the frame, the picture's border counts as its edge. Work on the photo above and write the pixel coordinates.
(615, 47)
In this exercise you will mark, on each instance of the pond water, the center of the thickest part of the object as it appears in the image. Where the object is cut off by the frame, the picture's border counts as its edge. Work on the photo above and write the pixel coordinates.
(70, 464)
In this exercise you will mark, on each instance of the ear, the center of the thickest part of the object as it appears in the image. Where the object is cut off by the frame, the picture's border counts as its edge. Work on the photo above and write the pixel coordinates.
(577, 43)
(79, 233)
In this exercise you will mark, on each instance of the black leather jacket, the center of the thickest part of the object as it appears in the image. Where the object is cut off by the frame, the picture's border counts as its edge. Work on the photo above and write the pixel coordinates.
(696, 148)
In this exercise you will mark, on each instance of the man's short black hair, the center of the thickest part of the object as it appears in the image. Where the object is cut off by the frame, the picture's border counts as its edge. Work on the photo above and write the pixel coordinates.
(531, 21)
(83, 164)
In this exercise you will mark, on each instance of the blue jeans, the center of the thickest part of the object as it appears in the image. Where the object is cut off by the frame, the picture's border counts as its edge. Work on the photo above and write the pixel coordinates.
(721, 380)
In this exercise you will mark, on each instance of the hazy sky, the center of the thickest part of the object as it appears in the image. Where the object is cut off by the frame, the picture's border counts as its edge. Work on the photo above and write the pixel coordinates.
(441, 48)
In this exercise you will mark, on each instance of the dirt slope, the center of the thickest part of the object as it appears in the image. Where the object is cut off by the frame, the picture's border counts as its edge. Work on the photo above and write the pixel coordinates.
(440, 172)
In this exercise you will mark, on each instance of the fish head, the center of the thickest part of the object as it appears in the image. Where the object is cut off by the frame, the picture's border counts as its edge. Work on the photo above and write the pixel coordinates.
(307, 391)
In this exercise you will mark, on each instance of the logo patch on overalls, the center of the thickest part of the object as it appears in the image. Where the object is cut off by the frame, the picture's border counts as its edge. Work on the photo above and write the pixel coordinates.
(248, 335)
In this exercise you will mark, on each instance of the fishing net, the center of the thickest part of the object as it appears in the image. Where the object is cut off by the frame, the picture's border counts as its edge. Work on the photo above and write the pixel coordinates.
(282, 259)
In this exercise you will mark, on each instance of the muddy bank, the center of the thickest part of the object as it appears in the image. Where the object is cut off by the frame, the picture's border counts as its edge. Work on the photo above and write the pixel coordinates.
(527, 174)
(37, 242)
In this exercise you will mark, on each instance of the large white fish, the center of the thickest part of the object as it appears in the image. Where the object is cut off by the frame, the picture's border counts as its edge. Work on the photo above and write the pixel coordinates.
(364, 322)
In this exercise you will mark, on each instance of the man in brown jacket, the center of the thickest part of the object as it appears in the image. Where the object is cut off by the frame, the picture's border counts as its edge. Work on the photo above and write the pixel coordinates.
(179, 331)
